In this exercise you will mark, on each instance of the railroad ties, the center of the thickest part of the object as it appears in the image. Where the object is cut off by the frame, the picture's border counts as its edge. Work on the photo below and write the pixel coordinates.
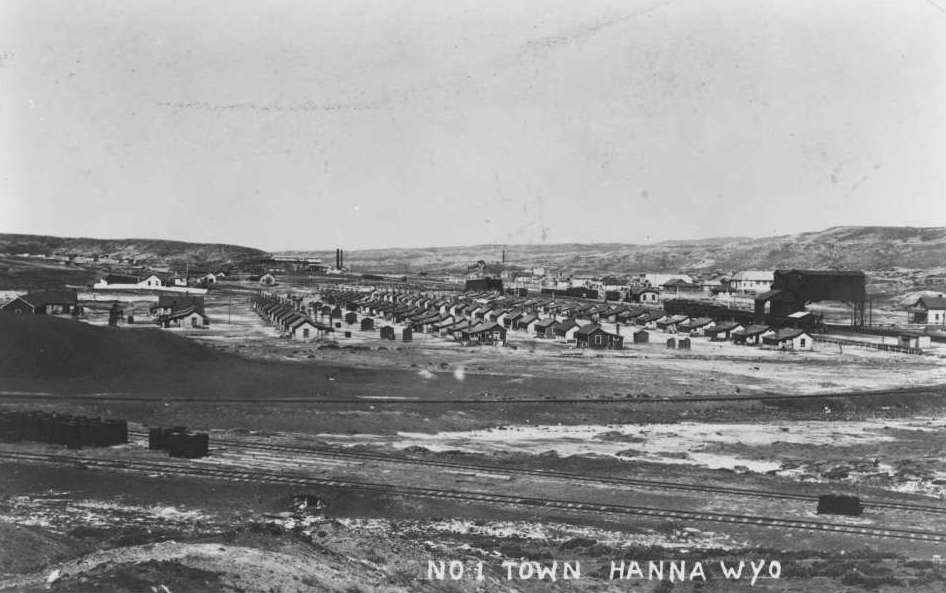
(176, 468)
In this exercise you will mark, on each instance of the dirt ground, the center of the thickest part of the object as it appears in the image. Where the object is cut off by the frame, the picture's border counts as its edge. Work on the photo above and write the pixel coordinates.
(539, 406)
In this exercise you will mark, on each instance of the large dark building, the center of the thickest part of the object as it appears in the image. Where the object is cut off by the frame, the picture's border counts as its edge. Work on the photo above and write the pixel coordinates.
(792, 290)
(485, 284)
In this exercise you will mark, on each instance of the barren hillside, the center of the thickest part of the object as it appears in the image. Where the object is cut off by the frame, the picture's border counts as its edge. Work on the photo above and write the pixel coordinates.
(867, 248)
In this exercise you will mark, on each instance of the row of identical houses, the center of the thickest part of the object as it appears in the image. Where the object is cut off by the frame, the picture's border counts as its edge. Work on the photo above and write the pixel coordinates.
(640, 288)
(487, 319)
(289, 316)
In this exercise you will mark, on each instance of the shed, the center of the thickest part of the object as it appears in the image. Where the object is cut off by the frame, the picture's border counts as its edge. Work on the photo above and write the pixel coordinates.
(367, 323)
(407, 334)
(641, 336)
(387, 333)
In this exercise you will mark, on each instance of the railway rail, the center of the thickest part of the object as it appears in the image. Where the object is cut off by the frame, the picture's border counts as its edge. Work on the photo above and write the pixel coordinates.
(392, 400)
(259, 476)
(339, 453)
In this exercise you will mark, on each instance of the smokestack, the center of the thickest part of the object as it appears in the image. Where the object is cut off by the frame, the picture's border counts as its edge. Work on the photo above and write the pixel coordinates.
(619, 329)
(336, 258)
(341, 258)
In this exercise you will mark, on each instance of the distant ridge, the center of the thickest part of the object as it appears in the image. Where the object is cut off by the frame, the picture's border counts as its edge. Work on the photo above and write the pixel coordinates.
(142, 249)
(843, 247)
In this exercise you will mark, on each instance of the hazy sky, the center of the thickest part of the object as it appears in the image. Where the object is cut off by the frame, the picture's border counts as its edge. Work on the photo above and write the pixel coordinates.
(371, 123)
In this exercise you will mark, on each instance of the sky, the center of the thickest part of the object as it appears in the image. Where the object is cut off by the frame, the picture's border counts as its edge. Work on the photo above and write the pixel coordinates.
(312, 124)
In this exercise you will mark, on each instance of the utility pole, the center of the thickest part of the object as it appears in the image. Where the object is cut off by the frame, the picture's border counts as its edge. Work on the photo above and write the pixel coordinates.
(229, 307)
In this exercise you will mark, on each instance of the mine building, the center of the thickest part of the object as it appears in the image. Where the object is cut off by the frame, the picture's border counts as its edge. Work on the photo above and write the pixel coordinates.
(793, 290)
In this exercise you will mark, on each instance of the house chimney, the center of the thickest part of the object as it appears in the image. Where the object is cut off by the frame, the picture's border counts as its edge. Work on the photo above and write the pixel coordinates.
(619, 329)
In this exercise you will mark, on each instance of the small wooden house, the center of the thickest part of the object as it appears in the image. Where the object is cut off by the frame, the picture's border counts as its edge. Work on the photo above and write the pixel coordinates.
(788, 339)
(594, 336)
(486, 333)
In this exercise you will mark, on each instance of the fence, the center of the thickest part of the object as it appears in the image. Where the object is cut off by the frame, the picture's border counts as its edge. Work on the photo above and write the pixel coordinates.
(869, 345)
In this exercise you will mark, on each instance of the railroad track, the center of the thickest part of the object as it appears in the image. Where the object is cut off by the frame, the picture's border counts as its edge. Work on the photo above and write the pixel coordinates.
(338, 453)
(381, 401)
(196, 470)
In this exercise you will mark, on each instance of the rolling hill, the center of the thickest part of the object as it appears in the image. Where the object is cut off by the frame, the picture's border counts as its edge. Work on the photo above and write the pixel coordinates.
(145, 250)
(866, 248)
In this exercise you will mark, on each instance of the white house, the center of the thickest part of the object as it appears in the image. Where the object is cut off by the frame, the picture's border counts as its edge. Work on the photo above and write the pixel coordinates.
(186, 317)
(928, 311)
(303, 329)
(752, 281)
(788, 339)
(118, 281)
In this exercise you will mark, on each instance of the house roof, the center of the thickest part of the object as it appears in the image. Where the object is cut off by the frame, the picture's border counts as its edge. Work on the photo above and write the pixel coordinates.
(587, 330)
(301, 320)
(722, 326)
(51, 297)
(699, 322)
(529, 318)
(649, 316)
(120, 279)
(184, 312)
(564, 326)
(788, 333)
(753, 330)
(485, 327)
(931, 302)
(544, 323)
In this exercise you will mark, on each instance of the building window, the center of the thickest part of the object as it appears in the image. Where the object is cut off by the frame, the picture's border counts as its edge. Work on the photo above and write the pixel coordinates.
(803, 342)
(305, 333)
